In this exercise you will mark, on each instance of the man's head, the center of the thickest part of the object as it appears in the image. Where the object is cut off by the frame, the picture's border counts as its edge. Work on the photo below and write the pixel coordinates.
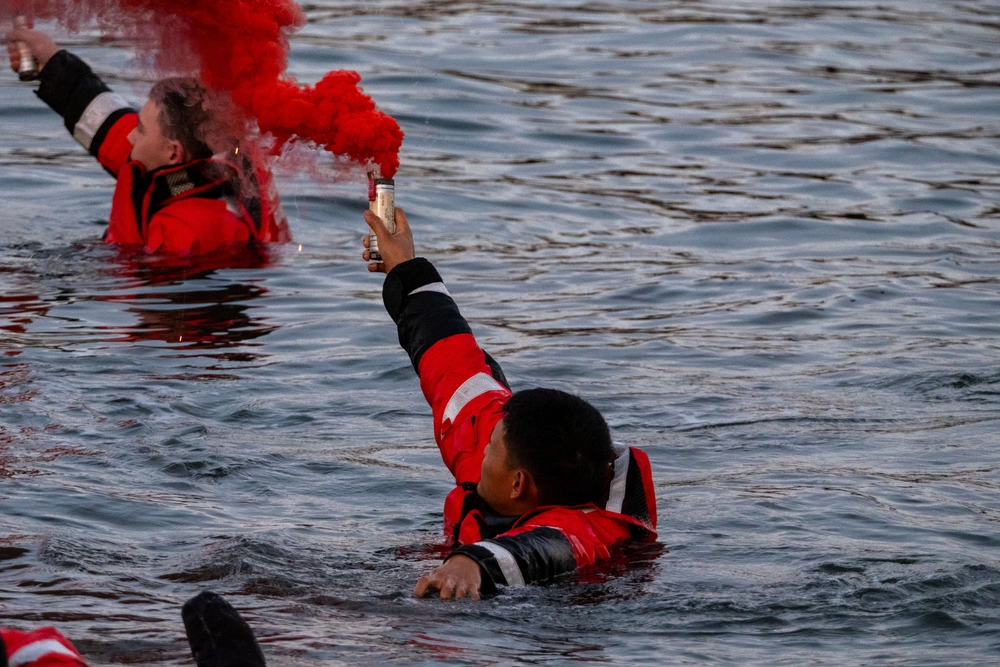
(173, 125)
(550, 448)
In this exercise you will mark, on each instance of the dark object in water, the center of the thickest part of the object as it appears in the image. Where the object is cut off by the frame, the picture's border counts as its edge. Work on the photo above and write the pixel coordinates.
(218, 635)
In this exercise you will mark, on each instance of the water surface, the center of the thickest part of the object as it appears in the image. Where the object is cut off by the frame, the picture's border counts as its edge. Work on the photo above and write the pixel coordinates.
(762, 237)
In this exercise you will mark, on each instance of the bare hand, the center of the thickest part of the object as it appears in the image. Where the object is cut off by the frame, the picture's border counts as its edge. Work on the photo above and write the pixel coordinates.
(41, 45)
(394, 248)
(457, 578)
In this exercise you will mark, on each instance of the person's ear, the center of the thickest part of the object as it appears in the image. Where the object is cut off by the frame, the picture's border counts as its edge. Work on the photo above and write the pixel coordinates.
(176, 152)
(522, 486)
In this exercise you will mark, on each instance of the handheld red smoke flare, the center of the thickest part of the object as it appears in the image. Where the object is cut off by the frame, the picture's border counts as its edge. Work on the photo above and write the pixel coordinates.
(382, 202)
(28, 68)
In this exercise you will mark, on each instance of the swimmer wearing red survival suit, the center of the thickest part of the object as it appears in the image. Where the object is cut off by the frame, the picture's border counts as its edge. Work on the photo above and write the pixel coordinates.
(174, 194)
(541, 489)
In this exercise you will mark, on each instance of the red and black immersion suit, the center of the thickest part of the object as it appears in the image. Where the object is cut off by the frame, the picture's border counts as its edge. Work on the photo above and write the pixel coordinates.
(195, 208)
(467, 391)
(44, 647)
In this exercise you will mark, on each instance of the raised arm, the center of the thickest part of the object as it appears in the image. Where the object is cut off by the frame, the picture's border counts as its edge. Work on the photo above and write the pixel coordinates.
(99, 119)
(464, 386)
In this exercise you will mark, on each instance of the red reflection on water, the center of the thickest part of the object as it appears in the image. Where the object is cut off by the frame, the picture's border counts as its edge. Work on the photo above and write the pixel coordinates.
(168, 300)
(439, 649)
(215, 314)
(19, 316)
(13, 379)
(159, 267)
(12, 454)
(19, 451)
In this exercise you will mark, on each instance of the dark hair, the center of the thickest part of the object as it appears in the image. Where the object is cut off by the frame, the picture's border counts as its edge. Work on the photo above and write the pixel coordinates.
(563, 441)
(184, 114)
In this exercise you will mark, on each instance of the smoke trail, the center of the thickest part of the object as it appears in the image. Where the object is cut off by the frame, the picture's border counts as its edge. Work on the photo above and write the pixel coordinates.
(241, 47)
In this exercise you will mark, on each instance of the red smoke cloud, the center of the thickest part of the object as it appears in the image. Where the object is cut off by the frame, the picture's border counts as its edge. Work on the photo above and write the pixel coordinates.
(241, 46)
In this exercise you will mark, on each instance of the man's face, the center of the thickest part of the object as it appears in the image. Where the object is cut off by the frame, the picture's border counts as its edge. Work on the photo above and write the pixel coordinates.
(150, 146)
(497, 476)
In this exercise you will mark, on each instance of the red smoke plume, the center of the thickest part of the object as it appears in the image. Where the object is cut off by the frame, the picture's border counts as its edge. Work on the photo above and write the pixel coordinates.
(241, 46)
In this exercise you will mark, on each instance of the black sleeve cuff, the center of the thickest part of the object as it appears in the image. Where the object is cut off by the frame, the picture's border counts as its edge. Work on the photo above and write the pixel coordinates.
(403, 279)
(488, 567)
(68, 85)
(424, 318)
(539, 554)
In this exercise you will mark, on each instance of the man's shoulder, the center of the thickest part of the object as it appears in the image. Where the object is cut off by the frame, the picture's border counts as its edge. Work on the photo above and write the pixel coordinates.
(590, 522)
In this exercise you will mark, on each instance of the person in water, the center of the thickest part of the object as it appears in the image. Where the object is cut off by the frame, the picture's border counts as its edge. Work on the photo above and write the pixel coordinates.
(183, 186)
(217, 634)
(541, 488)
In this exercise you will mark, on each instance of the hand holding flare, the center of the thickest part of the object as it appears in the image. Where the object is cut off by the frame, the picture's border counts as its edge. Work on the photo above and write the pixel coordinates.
(396, 247)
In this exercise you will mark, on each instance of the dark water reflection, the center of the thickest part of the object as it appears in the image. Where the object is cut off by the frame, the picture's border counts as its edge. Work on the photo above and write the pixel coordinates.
(162, 300)
(762, 237)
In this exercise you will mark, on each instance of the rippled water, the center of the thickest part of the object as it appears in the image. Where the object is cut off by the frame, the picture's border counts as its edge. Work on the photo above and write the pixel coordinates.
(763, 237)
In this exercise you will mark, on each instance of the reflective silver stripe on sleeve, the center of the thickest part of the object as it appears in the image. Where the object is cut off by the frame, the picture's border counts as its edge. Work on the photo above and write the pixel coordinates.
(477, 385)
(505, 559)
(35, 650)
(431, 287)
(94, 116)
(617, 495)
